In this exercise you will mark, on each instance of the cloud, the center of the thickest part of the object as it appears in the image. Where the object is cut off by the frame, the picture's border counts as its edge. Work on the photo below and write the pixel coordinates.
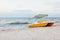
(38, 6)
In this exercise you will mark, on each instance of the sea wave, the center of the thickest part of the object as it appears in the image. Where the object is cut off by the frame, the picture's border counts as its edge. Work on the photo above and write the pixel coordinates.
(22, 22)
(18, 23)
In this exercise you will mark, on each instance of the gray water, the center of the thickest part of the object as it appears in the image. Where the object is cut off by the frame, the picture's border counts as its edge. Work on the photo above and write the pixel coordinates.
(22, 23)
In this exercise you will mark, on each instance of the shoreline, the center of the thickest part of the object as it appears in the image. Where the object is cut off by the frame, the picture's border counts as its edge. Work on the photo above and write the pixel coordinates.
(29, 28)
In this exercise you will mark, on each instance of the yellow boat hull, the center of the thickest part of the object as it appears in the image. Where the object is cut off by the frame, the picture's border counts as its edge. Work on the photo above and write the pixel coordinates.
(38, 25)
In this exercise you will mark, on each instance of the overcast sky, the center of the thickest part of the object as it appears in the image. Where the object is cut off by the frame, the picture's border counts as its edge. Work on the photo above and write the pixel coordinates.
(51, 7)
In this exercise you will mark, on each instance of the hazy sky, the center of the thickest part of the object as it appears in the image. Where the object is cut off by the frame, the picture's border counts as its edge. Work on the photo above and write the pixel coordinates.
(51, 7)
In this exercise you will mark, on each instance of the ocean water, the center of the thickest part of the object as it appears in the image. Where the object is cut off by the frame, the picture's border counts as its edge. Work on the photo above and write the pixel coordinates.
(23, 23)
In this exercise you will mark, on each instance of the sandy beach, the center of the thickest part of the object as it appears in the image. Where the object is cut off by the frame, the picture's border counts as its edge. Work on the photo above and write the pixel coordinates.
(46, 33)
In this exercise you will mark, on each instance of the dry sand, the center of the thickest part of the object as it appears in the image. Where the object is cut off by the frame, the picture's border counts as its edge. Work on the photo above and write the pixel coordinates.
(47, 33)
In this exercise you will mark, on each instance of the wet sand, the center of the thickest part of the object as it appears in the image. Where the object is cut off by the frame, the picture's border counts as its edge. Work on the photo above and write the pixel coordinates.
(43, 33)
